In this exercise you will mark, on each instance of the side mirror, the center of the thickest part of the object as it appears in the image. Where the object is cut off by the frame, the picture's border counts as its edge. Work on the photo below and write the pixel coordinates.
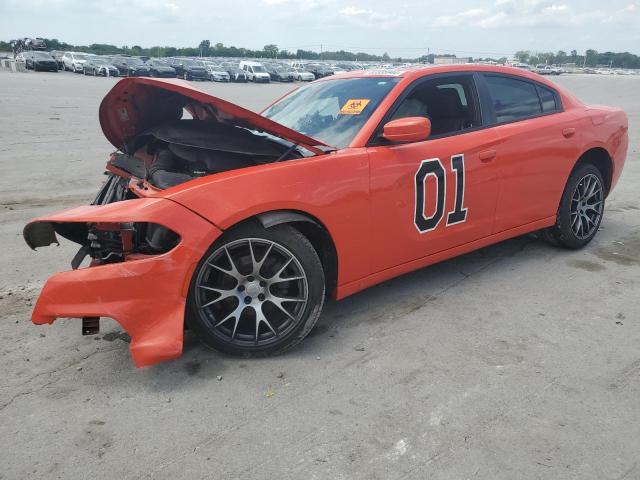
(409, 129)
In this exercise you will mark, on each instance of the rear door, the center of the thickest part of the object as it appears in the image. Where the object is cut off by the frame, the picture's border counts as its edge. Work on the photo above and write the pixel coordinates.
(538, 144)
(439, 193)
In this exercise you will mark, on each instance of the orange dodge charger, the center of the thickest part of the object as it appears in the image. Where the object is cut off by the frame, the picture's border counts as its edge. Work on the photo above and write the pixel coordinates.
(238, 224)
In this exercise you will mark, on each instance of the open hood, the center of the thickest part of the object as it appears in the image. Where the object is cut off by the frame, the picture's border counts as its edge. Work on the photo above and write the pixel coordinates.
(135, 105)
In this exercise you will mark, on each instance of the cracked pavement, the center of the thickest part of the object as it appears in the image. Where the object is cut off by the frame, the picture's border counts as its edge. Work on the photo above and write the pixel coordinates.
(516, 361)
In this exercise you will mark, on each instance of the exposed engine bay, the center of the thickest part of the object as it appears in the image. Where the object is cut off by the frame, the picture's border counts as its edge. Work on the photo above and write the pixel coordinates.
(181, 150)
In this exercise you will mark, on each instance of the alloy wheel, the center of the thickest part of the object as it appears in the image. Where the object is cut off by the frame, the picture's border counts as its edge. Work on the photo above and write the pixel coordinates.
(251, 292)
(586, 206)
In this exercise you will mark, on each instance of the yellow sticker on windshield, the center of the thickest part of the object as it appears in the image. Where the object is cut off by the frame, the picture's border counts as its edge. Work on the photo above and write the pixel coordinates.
(354, 106)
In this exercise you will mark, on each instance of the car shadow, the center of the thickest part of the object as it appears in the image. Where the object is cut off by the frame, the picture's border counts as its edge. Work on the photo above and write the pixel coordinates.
(375, 306)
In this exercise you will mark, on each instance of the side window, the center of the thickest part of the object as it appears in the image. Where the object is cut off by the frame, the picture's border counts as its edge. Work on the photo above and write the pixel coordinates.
(449, 102)
(513, 99)
(547, 99)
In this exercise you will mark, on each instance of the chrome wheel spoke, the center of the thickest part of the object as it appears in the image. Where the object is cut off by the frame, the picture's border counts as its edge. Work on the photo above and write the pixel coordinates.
(282, 309)
(235, 313)
(262, 318)
(233, 272)
(288, 279)
(277, 275)
(257, 265)
(222, 294)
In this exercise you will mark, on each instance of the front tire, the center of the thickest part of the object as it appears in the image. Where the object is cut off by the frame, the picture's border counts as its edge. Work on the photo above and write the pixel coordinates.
(256, 291)
(581, 209)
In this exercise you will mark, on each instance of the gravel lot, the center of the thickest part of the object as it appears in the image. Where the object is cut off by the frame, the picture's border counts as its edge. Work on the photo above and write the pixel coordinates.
(516, 361)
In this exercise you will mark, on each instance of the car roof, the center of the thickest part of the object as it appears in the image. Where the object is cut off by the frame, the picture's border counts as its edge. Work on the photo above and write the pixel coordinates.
(414, 72)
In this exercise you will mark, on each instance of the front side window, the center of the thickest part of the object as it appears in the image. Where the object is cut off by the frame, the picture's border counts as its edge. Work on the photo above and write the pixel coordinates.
(513, 99)
(447, 102)
(331, 111)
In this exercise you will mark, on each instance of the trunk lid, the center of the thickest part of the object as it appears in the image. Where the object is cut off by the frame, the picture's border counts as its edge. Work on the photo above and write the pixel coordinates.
(135, 105)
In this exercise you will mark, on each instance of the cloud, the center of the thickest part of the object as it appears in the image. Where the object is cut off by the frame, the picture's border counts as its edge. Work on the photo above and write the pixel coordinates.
(537, 14)
(355, 12)
(458, 18)
(406, 27)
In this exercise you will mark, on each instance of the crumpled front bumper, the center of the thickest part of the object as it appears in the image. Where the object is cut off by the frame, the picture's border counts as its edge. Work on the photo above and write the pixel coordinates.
(145, 294)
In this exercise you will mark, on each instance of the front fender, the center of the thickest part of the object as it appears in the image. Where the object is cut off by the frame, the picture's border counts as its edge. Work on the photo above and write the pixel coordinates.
(332, 188)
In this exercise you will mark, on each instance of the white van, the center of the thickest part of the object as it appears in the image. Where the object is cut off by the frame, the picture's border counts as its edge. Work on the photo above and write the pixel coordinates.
(255, 71)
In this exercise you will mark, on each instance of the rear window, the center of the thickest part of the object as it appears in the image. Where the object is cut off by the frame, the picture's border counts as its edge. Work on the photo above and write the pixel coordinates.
(513, 99)
(547, 99)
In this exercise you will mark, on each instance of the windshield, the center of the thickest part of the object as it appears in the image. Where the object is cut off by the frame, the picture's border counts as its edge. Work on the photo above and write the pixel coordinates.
(41, 55)
(258, 68)
(331, 111)
(79, 57)
(134, 61)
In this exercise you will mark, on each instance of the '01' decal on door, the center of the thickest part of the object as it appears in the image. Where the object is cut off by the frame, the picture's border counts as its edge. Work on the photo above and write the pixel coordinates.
(433, 167)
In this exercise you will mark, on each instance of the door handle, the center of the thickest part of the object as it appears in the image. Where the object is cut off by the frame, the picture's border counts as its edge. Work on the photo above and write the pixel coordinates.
(569, 132)
(487, 155)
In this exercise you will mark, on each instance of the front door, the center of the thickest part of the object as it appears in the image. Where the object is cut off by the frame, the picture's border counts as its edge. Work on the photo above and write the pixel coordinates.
(433, 195)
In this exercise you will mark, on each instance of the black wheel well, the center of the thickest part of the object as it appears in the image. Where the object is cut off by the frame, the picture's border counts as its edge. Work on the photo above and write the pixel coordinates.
(599, 158)
(316, 233)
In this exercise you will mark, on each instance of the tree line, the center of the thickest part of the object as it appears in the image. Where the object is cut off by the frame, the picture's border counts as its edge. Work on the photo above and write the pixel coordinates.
(206, 49)
(591, 58)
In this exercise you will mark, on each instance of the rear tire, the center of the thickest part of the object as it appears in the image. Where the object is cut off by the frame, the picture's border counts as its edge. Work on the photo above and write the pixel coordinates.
(266, 301)
(581, 209)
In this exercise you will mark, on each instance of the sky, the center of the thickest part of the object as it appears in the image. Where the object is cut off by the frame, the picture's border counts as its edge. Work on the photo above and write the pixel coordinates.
(408, 28)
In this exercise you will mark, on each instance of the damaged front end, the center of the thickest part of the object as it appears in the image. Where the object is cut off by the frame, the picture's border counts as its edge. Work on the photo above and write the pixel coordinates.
(142, 247)
(168, 133)
(143, 252)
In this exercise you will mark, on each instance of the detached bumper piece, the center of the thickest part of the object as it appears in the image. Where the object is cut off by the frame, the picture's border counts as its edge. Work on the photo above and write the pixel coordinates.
(145, 293)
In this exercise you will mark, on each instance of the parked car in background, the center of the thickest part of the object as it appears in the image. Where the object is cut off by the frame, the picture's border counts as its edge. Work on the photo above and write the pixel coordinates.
(130, 66)
(57, 55)
(547, 70)
(74, 61)
(303, 75)
(37, 60)
(522, 66)
(277, 73)
(189, 69)
(255, 71)
(319, 70)
(35, 44)
(100, 67)
(160, 68)
(235, 73)
(336, 70)
(286, 73)
(194, 70)
(216, 72)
